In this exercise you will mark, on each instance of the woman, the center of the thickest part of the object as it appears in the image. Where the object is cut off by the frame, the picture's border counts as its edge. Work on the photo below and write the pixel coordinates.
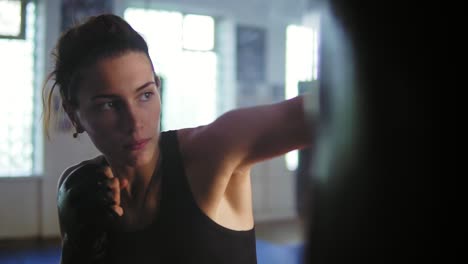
(173, 197)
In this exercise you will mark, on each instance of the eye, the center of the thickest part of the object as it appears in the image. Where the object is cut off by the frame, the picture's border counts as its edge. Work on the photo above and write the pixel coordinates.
(146, 96)
(106, 106)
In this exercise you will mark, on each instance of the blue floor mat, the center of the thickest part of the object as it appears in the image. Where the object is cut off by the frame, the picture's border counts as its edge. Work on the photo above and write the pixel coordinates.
(279, 253)
(267, 253)
(37, 256)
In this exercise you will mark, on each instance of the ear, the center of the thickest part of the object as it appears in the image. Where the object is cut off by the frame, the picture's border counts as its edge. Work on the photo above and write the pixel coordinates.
(72, 115)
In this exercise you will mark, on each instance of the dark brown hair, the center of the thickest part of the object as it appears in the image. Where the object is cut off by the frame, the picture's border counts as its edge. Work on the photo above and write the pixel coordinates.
(81, 46)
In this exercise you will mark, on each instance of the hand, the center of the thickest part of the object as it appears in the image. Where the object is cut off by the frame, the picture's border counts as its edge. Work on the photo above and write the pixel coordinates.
(89, 205)
(114, 185)
(90, 196)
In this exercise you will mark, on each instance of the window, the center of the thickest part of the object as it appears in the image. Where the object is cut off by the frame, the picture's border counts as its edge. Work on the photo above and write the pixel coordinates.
(17, 100)
(301, 65)
(182, 49)
(12, 19)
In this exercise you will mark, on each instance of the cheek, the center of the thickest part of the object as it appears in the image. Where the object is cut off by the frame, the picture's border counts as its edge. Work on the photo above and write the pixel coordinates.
(152, 112)
(99, 125)
(102, 133)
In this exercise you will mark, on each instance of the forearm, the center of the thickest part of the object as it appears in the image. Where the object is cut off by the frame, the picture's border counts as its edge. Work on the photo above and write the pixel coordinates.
(280, 128)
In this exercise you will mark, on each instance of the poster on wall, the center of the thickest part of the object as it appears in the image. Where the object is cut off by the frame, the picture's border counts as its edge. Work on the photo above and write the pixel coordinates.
(250, 50)
(75, 11)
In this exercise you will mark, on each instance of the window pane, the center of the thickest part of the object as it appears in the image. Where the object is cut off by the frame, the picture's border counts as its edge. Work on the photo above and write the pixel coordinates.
(198, 32)
(162, 31)
(301, 65)
(191, 91)
(10, 18)
(16, 102)
(299, 57)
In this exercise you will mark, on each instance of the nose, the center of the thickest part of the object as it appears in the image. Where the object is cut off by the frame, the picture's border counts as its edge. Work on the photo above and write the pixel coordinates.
(131, 121)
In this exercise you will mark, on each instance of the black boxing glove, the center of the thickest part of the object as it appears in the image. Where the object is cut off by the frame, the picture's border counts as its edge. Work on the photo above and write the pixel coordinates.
(86, 215)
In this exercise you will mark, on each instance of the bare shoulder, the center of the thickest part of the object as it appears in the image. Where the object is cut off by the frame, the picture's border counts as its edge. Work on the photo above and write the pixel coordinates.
(190, 142)
(207, 143)
(192, 138)
(69, 172)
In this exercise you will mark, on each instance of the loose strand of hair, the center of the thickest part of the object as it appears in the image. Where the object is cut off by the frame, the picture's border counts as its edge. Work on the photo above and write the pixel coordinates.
(47, 102)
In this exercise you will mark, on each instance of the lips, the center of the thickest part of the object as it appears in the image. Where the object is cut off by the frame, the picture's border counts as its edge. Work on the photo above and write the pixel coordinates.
(137, 144)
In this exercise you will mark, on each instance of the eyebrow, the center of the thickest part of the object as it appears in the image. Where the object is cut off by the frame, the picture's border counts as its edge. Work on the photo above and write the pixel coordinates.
(101, 96)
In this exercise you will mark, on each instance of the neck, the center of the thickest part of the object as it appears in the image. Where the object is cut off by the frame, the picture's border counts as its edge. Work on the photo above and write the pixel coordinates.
(138, 177)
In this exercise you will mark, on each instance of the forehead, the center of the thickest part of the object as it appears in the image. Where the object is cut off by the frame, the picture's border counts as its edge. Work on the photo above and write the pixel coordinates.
(117, 73)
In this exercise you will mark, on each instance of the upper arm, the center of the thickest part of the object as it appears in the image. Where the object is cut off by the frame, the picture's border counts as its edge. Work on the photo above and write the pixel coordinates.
(245, 136)
(67, 172)
(70, 170)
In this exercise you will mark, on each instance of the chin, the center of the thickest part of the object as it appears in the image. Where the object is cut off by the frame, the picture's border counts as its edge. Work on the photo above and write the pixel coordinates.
(140, 158)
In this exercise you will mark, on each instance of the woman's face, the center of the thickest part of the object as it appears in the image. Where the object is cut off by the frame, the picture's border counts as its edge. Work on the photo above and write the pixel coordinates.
(119, 108)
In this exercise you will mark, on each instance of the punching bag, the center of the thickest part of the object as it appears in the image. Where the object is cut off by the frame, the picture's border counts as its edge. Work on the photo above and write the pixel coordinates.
(369, 197)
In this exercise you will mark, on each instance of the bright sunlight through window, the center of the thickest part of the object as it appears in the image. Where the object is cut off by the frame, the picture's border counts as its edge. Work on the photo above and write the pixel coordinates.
(17, 102)
(301, 65)
(10, 18)
(198, 33)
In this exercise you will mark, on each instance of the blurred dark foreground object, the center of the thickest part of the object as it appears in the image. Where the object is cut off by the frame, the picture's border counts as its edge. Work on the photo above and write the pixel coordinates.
(371, 199)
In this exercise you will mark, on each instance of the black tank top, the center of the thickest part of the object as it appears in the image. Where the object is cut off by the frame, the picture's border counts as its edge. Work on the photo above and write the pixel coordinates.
(181, 232)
